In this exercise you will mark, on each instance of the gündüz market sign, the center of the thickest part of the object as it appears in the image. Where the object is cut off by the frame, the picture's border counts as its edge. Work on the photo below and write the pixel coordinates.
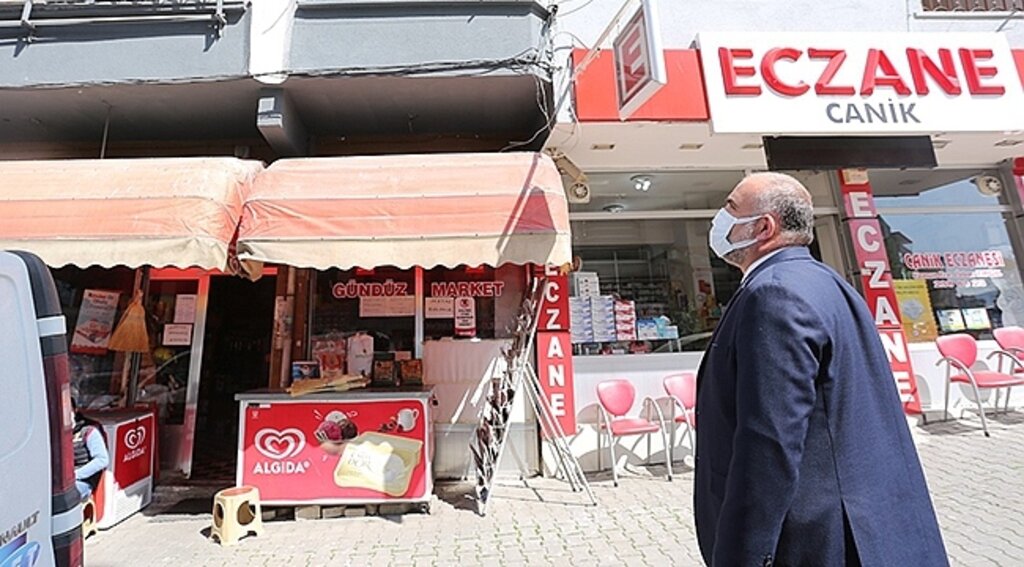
(848, 83)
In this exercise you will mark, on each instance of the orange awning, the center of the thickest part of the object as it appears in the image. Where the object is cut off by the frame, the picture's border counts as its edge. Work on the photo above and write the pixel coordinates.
(407, 210)
(178, 212)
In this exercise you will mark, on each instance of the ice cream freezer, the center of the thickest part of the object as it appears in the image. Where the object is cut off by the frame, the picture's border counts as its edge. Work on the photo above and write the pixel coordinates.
(127, 485)
(355, 447)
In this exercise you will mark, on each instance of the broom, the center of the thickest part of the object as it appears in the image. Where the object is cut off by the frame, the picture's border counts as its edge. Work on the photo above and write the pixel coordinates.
(130, 334)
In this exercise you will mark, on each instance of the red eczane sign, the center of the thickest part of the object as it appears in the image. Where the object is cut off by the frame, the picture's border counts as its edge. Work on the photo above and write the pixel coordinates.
(554, 349)
(944, 70)
(876, 281)
(845, 83)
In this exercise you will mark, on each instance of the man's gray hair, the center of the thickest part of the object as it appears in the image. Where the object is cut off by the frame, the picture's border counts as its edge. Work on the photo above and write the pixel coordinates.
(787, 198)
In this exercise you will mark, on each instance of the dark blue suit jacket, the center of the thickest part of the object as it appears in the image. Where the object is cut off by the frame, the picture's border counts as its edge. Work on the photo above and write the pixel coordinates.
(804, 456)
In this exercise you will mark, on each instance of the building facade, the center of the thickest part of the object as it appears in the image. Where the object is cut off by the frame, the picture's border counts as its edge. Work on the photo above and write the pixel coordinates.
(257, 82)
(795, 87)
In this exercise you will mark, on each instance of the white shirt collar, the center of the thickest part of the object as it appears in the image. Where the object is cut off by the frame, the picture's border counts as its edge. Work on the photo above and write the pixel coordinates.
(758, 262)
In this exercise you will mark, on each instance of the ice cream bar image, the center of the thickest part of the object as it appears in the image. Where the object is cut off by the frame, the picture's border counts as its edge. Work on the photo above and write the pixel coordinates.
(380, 462)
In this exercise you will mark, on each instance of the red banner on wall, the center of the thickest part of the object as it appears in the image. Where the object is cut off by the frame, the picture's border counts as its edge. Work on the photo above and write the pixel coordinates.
(554, 350)
(876, 281)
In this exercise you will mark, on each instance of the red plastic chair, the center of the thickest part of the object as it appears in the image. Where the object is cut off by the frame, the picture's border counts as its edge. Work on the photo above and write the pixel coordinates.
(616, 399)
(960, 352)
(682, 390)
(1011, 347)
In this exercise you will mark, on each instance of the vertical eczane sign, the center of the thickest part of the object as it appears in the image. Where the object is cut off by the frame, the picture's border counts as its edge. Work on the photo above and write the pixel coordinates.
(639, 60)
(554, 349)
(876, 281)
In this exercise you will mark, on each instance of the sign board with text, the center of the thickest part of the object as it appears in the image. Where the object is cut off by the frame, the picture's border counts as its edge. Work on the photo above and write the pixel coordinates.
(859, 83)
(639, 59)
(877, 283)
(554, 349)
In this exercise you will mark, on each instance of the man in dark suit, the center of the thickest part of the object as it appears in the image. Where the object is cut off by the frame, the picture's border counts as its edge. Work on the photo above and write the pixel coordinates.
(804, 456)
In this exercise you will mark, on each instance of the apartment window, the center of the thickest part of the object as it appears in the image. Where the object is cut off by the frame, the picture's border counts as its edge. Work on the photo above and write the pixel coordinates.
(972, 5)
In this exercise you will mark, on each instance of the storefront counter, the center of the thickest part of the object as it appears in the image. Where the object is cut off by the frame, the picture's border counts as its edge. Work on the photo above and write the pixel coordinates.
(356, 447)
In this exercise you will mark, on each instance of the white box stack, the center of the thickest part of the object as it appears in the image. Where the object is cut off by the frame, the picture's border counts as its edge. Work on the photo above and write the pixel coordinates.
(586, 284)
(602, 310)
(581, 322)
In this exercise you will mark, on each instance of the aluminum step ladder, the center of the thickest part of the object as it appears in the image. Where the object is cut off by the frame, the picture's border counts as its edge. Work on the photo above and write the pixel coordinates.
(489, 442)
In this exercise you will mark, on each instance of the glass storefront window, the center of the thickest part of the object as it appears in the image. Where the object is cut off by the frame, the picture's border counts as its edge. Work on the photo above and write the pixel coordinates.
(164, 370)
(379, 302)
(93, 300)
(949, 247)
(668, 273)
(659, 286)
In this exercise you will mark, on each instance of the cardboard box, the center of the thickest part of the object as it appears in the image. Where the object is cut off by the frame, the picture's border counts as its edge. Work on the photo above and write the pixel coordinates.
(647, 329)
(384, 372)
(586, 284)
(411, 371)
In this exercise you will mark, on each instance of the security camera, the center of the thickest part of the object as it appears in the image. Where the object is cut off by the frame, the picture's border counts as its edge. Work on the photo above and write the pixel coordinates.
(988, 184)
(578, 193)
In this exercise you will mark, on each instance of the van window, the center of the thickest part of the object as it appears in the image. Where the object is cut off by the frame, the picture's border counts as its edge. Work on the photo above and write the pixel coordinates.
(15, 388)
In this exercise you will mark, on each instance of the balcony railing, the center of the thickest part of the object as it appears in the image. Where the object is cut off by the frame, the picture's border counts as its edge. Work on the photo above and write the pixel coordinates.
(31, 15)
(972, 5)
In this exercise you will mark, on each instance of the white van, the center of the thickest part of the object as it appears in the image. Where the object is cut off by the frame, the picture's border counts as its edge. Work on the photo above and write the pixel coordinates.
(40, 508)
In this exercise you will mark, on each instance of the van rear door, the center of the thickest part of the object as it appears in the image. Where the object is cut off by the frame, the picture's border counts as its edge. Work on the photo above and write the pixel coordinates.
(40, 515)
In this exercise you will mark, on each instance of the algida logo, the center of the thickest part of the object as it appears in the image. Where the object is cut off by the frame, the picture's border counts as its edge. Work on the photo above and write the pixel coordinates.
(280, 446)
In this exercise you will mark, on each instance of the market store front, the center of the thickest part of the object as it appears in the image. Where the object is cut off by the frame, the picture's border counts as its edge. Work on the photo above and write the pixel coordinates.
(406, 281)
(350, 268)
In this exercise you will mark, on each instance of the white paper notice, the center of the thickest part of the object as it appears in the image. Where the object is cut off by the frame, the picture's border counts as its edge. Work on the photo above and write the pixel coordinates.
(185, 308)
(440, 307)
(177, 334)
(465, 316)
(387, 306)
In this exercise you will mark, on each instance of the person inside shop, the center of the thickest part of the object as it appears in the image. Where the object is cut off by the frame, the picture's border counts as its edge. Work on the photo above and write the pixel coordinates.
(804, 456)
(90, 450)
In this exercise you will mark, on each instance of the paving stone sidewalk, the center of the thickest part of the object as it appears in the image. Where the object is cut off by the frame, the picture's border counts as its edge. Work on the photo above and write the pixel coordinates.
(975, 481)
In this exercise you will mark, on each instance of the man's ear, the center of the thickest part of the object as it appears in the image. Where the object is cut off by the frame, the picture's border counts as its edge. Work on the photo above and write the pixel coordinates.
(767, 228)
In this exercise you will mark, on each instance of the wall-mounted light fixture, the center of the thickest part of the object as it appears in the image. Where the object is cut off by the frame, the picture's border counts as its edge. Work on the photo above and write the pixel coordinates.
(642, 183)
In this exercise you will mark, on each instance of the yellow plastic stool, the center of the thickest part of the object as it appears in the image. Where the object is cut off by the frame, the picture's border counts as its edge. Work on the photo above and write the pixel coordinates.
(88, 517)
(236, 514)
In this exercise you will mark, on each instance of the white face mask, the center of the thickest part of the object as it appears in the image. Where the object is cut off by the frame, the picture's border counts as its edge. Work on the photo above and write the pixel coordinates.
(721, 226)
